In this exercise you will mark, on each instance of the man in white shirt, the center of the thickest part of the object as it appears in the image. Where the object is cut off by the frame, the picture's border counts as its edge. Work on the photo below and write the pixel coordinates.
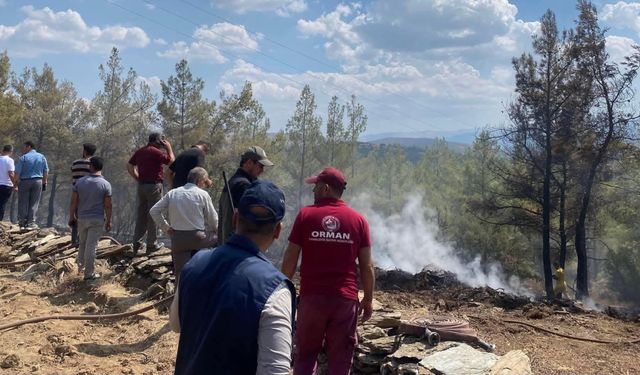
(8, 182)
(187, 215)
(234, 310)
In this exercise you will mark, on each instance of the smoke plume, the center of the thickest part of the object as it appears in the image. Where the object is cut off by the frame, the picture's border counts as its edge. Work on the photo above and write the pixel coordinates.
(408, 241)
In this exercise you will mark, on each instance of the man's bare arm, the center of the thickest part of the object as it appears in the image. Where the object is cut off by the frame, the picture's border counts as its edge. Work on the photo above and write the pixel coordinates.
(368, 281)
(14, 179)
(290, 260)
(107, 213)
(167, 146)
(73, 208)
(133, 171)
(174, 319)
(169, 176)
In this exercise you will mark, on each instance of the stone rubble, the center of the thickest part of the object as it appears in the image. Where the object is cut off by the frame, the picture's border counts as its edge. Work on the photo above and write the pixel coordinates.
(39, 251)
(381, 351)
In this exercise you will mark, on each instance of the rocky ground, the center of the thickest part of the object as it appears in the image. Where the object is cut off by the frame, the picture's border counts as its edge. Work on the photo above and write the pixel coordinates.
(144, 344)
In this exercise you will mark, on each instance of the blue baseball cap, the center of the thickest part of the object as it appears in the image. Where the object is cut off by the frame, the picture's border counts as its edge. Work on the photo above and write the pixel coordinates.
(265, 194)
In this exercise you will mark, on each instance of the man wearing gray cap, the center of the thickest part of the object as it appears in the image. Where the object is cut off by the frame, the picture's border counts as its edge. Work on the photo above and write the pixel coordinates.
(252, 163)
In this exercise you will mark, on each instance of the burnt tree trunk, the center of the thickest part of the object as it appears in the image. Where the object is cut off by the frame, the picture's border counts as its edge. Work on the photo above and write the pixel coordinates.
(52, 199)
(562, 226)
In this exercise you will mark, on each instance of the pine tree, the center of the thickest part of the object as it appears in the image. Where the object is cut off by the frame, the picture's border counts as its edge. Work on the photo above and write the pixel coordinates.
(184, 112)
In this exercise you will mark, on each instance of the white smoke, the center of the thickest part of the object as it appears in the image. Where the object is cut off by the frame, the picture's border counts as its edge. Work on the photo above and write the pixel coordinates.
(408, 241)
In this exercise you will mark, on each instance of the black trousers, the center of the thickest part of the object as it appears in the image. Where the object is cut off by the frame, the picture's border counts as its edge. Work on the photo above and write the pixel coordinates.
(5, 194)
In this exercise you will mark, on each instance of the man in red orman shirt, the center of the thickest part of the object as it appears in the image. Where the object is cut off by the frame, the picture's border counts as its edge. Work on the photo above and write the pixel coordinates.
(331, 236)
(146, 167)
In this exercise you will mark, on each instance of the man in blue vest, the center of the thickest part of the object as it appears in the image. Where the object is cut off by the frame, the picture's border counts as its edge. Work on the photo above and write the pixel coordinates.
(233, 308)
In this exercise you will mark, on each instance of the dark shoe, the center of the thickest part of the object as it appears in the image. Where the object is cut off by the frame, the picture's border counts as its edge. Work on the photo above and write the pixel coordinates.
(153, 248)
(136, 248)
(93, 276)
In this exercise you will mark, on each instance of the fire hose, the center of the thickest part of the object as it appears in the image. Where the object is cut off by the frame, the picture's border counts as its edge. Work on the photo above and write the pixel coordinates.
(567, 336)
(127, 314)
(437, 328)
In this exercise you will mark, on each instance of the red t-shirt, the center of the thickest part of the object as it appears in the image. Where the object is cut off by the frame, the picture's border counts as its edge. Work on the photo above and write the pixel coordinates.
(149, 160)
(330, 234)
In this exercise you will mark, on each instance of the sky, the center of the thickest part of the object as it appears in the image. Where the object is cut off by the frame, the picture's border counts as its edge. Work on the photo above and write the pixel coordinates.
(419, 67)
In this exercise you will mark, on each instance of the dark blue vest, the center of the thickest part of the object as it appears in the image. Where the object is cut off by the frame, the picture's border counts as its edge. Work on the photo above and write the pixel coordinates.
(222, 294)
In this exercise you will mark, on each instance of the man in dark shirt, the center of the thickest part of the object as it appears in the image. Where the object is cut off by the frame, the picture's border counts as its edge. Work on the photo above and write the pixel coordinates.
(79, 169)
(146, 167)
(186, 161)
(252, 163)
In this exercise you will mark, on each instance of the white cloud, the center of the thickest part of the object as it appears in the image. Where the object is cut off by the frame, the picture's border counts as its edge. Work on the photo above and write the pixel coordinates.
(153, 82)
(619, 47)
(392, 94)
(415, 25)
(160, 42)
(228, 36)
(281, 7)
(295, 6)
(622, 14)
(211, 41)
(194, 51)
(150, 6)
(481, 32)
(47, 31)
(343, 43)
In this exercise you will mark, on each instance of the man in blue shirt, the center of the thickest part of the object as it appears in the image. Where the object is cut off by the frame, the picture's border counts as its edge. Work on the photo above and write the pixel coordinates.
(32, 171)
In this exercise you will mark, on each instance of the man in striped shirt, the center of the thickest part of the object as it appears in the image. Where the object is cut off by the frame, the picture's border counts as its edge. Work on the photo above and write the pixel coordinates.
(79, 169)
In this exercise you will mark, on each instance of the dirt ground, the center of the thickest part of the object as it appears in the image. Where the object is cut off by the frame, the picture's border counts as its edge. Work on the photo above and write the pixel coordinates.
(145, 345)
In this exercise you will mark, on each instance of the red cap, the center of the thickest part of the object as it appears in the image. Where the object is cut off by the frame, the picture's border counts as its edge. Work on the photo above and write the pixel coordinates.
(330, 176)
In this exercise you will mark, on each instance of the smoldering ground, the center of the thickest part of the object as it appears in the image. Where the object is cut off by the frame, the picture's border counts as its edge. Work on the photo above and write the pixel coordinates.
(408, 240)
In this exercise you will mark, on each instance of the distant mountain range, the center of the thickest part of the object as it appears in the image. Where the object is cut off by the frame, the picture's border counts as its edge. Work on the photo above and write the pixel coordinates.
(465, 137)
(420, 143)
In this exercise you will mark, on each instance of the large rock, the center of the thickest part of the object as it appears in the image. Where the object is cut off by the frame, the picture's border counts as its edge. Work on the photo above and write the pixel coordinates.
(383, 345)
(460, 359)
(371, 332)
(377, 306)
(368, 363)
(54, 243)
(42, 241)
(10, 361)
(113, 250)
(161, 252)
(413, 351)
(34, 270)
(386, 320)
(21, 240)
(139, 260)
(151, 264)
(513, 363)
(22, 258)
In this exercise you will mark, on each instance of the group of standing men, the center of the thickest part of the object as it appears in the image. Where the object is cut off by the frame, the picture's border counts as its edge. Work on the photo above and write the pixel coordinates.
(234, 310)
(28, 177)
